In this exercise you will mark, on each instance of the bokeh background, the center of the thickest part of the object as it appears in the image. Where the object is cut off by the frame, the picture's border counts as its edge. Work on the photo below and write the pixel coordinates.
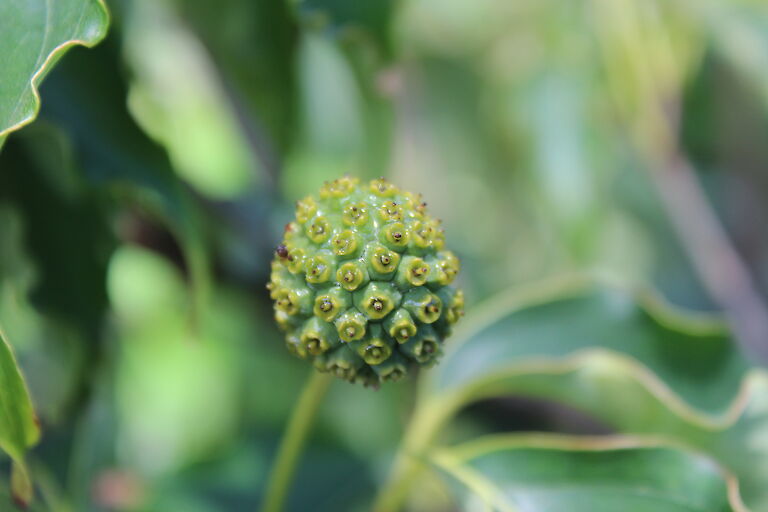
(139, 213)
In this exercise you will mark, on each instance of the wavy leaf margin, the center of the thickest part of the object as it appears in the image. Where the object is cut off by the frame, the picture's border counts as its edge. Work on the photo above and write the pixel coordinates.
(51, 58)
(452, 459)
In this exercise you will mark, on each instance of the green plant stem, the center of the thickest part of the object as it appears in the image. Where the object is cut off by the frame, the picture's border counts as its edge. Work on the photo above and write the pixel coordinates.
(425, 423)
(293, 440)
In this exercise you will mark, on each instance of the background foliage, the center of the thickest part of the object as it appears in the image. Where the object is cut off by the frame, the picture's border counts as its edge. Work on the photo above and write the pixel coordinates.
(579, 153)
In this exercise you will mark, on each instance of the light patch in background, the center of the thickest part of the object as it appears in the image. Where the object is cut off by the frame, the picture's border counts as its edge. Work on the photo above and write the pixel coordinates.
(177, 99)
(177, 395)
(332, 140)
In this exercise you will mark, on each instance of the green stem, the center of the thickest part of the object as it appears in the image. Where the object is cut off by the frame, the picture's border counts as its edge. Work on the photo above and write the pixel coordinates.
(424, 425)
(293, 441)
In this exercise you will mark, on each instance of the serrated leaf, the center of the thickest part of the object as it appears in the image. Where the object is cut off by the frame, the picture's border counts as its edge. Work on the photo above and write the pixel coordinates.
(621, 356)
(532, 473)
(33, 35)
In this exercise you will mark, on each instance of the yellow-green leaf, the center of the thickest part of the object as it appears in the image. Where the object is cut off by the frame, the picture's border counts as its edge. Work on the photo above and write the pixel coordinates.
(18, 427)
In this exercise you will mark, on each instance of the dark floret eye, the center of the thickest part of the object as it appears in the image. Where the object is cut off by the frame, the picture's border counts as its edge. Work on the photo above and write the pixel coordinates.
(313, 346)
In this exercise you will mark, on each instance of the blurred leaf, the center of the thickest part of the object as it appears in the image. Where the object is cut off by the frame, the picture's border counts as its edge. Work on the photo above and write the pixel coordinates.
(59, 217)
(51, 349)
(350, 18)
(648, 49)
(694, 358)
(177, 97)
(623, 357)
(94, 441)
(545, 473)
(178, 401)
(332, 121)
(8, 499)
(739, 31)
(252, 45)
(18, 426)
(33, 36)
(113, 151)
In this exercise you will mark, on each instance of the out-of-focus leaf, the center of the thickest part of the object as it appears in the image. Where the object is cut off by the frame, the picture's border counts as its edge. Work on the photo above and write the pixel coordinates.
(177, 400)
(739, 31)
(623, 357)
(33, 35)
(544, 473)
(7, 499)
(332, 125)
(350, 18)
(252, 44)
(18, 426)
(648, 50)
(93, 443)
(64, 225)
(177, 97)
(113, 152)
(685, 354)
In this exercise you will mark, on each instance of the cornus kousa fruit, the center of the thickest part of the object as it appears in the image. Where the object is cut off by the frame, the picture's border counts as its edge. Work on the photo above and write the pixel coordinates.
(362, 282)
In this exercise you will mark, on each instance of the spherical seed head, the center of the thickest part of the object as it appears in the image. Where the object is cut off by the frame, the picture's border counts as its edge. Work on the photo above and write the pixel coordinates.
(362, 282)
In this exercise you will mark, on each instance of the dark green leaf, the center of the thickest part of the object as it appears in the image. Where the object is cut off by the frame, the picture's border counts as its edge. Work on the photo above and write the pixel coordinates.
(547, 473)
(65, 228)
(349, 17)
(112, 151)
(253, 44)
(694, 358)
(624, 358)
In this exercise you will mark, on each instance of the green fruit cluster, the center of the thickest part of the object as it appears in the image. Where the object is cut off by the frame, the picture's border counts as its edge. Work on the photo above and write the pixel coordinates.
(362, 282)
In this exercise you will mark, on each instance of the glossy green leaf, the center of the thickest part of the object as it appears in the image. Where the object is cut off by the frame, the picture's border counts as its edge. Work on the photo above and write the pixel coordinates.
(546, 473)
(620, 356)
(18, 426)
(33, 35)
(694, 360)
